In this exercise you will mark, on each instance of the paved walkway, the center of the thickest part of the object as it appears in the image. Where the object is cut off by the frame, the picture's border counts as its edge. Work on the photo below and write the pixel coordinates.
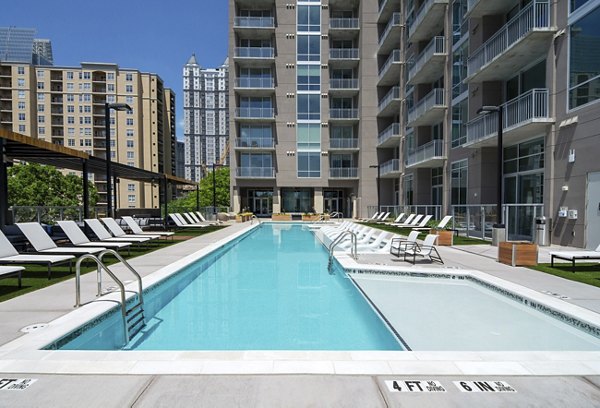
(345, 383)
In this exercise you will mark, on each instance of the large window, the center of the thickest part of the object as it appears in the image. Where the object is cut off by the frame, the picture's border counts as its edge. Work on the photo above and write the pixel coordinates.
(458, 175)
(309, 18)
(584, 68)
(309, 136)
(297, 200)
(309, 77)
(309, 48)
(459, 121)
(256, 160)
(309, 106)
(309, 164)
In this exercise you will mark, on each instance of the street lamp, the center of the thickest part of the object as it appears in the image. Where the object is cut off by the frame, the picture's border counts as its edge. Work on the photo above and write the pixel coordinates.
(499, 233)
(107, 108)
(378, 167)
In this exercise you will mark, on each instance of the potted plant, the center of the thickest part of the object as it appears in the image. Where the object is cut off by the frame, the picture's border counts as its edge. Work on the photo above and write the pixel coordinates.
(445, 235)
(310, 217)
(281, 217)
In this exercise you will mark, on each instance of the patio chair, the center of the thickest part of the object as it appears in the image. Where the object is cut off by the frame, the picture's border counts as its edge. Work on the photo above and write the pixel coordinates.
(43, 243)
(137, 230)
(426, 250)
(442, 224)
(374, 217)
(383, 217)
(11, 271)
(182, 224)
(103, 235)
(400, 244)
(202, 219)
(397, 220)
(118, 232)
(574, 256)
(409, 219)
(9, 255)
(362, 240)
(78, 238)
(382, 238)
(423, 223)
(412, 223)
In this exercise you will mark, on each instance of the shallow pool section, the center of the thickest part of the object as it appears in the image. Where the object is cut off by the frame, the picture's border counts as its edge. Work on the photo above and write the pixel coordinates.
(269, 291)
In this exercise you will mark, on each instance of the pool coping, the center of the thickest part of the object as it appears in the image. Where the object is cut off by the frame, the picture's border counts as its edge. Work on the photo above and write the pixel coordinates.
(22, 355)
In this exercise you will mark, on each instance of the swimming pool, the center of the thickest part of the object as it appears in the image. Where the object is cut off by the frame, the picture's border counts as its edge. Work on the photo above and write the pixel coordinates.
(269, 291)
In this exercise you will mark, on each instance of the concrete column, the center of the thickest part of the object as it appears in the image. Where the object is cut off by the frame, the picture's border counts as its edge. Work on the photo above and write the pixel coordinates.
(318, 200)
(235, 200)
(276, 200)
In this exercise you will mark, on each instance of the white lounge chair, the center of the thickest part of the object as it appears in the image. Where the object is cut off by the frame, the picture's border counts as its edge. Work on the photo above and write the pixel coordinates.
(400, 244)
(103, 235)
(426, 250)
(181, 223)
(10, 271)
(383, 217)
(78, 238)
(43, 244)
(422, 224)
(575, 256)
(411, 223)
(118, 232)
(202, 219)
(380, 239)
(397, 220)
(442, 224)
(374, 217)
(137, 230)
(408, 220)
(9, 255)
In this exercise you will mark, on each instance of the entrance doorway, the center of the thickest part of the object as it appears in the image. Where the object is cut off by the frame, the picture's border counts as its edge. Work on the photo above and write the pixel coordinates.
(592, 211)
(333, 201)
(260, 202)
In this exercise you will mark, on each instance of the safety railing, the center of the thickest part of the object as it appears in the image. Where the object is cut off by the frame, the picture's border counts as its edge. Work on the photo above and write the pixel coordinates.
(390, 166)
(254, 52)
(393, 22)
(392, 95)
(392, 130)
(394, 57)
(433, 99)
(259, 83)
(337, 241)
(343, 172)
(428, 151)
(343, 23)
(253, 22)
(343, 83)
(436, 46)
(343, 53)
(343, 143)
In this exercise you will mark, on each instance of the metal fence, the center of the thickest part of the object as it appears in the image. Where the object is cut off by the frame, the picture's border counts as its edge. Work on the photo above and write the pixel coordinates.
(49, 215)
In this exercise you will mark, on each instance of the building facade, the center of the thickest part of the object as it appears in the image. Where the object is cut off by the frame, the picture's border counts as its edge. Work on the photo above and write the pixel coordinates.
(66, 105)
(19, 45)
(206, 117)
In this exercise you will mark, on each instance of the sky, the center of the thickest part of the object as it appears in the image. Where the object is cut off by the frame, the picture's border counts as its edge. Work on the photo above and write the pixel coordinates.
(149, 35)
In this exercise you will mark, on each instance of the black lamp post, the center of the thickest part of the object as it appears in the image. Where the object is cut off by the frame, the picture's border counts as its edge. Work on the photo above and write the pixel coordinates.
(107, 108)
(378, 167)
(500, 172)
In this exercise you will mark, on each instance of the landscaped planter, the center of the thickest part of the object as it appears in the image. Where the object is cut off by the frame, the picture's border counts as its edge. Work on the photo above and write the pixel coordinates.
(445, 237)
(243, 217)
(311, 217)
(517, 253)
(281, 217)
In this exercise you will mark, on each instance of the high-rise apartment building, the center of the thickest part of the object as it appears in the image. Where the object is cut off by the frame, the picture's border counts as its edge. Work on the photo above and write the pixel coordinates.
(19, 45)
(327, 96)
(66, 106)
(206, 117)
(42, 52)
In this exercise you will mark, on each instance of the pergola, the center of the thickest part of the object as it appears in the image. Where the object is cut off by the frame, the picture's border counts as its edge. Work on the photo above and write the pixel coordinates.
(15, 146)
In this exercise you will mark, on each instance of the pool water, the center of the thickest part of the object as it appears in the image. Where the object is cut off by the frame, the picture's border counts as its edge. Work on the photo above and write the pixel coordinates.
(270, 291)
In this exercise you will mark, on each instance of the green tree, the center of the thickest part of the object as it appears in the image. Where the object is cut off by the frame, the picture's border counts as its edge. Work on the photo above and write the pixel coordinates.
(188, 202)
(38, 185)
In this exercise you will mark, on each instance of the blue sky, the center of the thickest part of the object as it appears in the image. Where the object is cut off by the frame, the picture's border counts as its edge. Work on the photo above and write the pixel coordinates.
(150, 35)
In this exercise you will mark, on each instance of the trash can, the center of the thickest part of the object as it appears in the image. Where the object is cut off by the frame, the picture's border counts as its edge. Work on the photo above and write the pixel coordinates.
(541, 231)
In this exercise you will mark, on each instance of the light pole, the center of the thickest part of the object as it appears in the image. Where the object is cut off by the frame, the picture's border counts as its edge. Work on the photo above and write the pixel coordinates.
(107, 108)
(378, 167)
(499, 232)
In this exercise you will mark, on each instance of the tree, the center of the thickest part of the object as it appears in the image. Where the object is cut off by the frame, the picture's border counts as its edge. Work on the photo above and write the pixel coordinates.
(188, 203)
(38, 185)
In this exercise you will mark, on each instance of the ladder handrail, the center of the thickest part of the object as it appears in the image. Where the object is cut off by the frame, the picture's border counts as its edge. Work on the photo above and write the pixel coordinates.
(112, 275)
(127, 265)
(252, 219)
(337, 240)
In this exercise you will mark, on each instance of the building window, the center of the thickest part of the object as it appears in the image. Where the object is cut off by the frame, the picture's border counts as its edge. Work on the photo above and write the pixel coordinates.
(41, 73)
(110, 87)
(110, 76)
(22, 117)
(129, 88)
(70, 75)
(130, 143)
(458, 177)
(309, 136)
(408, 189)
(21, 128)
(130, 187)
(309, 77)
(575, 4)
(584, 71)
(129, 132)
(128, 77)
(21, 70)
(131, 198)
(459, 121)
(71, 108)
(87, 75)
(129, 100)
(129, 122)
(21, 105)
(309, 106)
(309, 18)
(21, 94)
(71, 120)
(309, 164)
(20, 82)
(130, 155)
(42, 130)
(309, 48)
(71, 142)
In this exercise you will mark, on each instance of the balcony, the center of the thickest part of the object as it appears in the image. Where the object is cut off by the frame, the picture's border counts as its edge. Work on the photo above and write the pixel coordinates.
(255, 172)
(523, 117)
(253, 22)
(389, 73)
(523, 39)
(343, 86)
(390, 169)
(343, 173)
(255, 143)
(343, 114)
(390, 36)
(390, 136)
(429, 110)
(429, 64)
(343, 57)
(479, 8)
(390, 103)
(429, 155)
(339, 143)
(386, 9)
(254, 86)
(428, 21)
(344, 28)
(254, 55)
(255, 114)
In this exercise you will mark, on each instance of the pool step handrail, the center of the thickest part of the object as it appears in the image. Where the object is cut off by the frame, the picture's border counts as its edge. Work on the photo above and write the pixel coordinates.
(254, 217)
(337, 241)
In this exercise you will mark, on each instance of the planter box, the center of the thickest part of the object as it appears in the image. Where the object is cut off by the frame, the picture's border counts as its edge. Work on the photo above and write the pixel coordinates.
(242, 218)
(314, 217)
(518, 253)
(281, 217)
(445, 237)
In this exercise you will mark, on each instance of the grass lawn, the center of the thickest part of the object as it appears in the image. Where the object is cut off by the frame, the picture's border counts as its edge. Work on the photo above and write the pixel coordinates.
(458, 240)
(36, 277)
(584, 272)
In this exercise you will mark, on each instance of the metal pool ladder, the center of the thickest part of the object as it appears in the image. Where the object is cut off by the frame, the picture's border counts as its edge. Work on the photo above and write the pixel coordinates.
(132, 314)
(337, 242)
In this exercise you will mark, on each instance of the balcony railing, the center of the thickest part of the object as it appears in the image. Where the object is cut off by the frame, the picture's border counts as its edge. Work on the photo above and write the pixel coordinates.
(394, 21)
(530, 106)
(255, 172)
(536, 15)
(436, 46)
(254, 22)
(255, 113)
(255, 83)
(343, 143)
(394, 57)
(343, 23)
(428, 151)
(255, 142)
(343, 53)
(343, 83)
(343, 113)
(343, 172)
(390, 166)
(431, 100)
(420, 16)
(254, 52)
(392, 130)
(393, 93)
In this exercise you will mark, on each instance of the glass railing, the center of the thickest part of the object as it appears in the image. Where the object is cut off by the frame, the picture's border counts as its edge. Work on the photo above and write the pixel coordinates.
(254, 52)
(341, 23)
(249, 82)
(428, 151)
(436, 46)
(259, 113)
(390, 166)
(255, 172)
(343, 143)
(254, 22)
(392, 130)
(343, 83)
(343, 172)
(255, 142)
(343, 113)
(343, 53)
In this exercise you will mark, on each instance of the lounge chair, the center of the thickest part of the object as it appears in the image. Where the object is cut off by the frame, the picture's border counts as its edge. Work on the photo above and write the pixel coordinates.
(9, 255)
(78, 238)
(400, 244)
(362, 240)
(10, 271)
(43, 243)
(426, 250)
(383, 217)
(397, 220)
(137, 230)
(103, 235)
(382, 238)
(422, 224)
(202, 219)
(408, 220)
(118, 232)
(412, 223)
(374, 217)
(575, 256)
(442, 224)
(181, 223)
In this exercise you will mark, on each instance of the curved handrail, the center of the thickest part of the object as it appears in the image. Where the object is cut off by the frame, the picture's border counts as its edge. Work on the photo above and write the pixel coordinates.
(337, 241)
(254, 217)
(127, 265)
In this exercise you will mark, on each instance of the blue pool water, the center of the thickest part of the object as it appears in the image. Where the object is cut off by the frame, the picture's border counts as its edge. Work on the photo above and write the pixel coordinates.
(270, 291)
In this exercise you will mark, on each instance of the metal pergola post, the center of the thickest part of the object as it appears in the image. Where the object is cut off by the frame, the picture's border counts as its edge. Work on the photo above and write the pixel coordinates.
(3, 186)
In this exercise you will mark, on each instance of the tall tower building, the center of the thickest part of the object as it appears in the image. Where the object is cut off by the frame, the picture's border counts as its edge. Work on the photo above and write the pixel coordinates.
(42, 52)
(19, 45)
(206, 117)
(65, 106)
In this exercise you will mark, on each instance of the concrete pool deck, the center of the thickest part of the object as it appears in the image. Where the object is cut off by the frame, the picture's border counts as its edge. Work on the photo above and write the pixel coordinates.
(263, 378)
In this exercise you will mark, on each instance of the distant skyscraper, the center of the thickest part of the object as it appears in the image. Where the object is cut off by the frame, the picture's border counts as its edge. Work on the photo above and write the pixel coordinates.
(19, 45)
(206, 117)
(180, 159)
